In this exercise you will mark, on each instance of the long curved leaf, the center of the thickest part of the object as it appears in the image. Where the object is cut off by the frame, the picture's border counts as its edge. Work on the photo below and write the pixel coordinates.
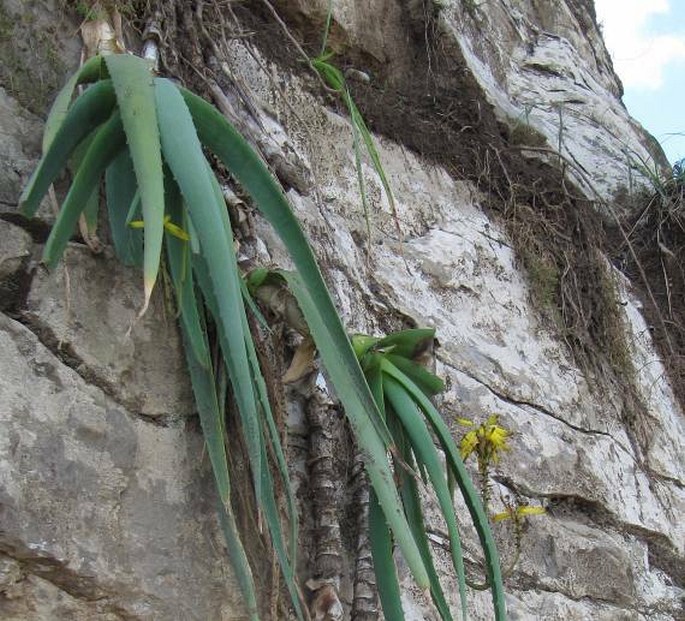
(90, 71)
(409, 491)
(430, 384)
(134, 86)
(239, 561)
(88, 112)
(106, 145)
(383, 563)
(120, 189)
(178, 256)
(422, 445)
(204, 390)
(92, 206)
(260, 390)
(266, 498)
(184, 156)
(471, 496)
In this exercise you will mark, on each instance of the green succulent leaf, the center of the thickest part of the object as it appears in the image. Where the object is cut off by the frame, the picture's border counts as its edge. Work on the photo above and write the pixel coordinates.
(239, 561)
(409, 491)
(383, 562)
(120, 190)
(430, 384)
(407, 343)
(92, 206)
(274, 442)
(361, 343)
(221, 284)
(204, 390)
(89, 111)
(135, 92)
(90, 71)
(106, 145)
(178, 257)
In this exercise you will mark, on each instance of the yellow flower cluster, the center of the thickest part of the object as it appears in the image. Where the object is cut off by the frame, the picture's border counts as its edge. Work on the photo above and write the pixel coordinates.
(487, 439)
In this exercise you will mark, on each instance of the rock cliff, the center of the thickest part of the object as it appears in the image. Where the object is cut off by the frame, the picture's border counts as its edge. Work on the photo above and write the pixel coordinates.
(504, 139)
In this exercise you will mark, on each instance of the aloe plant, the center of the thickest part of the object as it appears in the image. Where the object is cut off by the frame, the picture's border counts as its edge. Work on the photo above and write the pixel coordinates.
(145, 136)
(402, 389)
(137, 132)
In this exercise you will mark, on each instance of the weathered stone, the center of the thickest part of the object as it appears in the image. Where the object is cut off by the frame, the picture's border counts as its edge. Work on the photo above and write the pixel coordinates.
(27, 597)
(113, 512)
(19, 149)
(100, 511)
(545, 68)
(579, 562)
(38, 50)
(456, 271)
(89, 306)
(14, 258)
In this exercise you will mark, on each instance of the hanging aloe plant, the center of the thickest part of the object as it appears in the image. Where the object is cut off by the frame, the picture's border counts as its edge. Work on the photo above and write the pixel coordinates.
(145, 135)
(137, 132)
(402, 389)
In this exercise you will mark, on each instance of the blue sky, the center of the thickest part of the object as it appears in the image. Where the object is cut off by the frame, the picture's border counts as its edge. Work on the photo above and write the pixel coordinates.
(646, 39)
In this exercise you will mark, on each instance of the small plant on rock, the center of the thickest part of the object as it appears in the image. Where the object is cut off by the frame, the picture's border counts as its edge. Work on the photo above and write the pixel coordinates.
(486, 442)
(335, 80)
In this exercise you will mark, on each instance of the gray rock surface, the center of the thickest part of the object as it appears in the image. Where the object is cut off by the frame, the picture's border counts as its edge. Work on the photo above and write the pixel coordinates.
(103, 514)
(544, 67)
(90, 303)
(106, 504)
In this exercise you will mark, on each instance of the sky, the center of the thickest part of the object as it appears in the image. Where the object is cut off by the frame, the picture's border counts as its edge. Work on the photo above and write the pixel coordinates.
(646, 39)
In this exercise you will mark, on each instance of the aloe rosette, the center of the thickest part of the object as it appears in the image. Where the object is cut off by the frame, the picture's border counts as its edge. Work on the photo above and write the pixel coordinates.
(402, 389)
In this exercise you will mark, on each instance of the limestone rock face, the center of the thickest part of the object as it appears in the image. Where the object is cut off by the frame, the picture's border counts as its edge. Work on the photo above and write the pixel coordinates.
(91, 303)
(104, 515)
(106, 502)
(546, 70)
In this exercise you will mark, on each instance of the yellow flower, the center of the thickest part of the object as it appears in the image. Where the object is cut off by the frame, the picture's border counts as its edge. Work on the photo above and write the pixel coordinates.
(497, 436)
(172, 228)
(518, 512)
(468, 444)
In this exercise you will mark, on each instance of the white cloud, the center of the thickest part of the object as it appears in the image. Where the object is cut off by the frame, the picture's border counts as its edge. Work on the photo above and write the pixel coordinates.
(639, 57)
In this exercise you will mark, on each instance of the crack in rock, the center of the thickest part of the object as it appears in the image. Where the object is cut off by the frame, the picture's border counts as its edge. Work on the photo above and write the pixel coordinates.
(57, 573)
(65, 353)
